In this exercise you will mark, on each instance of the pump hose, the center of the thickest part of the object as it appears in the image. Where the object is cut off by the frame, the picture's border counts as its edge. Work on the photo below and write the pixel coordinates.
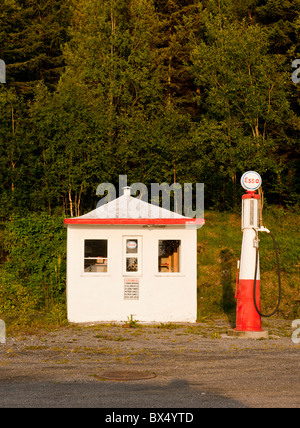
(279, 280)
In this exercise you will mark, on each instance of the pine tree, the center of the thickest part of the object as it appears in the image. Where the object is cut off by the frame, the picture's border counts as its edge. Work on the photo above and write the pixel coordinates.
(178, 21)
(281, 20)
(31, 35)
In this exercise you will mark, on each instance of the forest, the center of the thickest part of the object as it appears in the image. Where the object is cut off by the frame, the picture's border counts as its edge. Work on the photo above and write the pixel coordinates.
(175, 91)
(183, 91)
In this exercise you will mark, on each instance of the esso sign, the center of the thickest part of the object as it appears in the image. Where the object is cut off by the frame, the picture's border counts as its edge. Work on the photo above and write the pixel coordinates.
(131, 245)
(251, 181)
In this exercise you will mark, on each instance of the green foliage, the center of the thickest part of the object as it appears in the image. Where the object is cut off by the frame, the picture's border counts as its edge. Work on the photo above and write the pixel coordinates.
(219, 248)
(35, 271)
(31, 35)
(17, 304)
(163, 91)
(131, 322)
(248, 111)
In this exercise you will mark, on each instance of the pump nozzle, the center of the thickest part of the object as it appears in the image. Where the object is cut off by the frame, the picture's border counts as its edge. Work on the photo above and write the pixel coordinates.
(263, 229)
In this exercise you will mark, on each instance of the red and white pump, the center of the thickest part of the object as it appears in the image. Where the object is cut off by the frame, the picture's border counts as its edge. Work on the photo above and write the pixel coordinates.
(248, 316)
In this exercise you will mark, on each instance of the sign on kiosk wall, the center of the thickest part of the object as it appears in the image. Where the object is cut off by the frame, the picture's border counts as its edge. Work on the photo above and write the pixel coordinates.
(251, 181)
(131, 288)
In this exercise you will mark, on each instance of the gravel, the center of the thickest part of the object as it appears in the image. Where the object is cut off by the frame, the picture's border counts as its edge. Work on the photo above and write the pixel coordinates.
(195, 366)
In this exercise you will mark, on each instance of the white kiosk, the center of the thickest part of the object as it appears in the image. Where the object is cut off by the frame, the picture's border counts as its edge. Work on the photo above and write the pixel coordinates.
(131, 258)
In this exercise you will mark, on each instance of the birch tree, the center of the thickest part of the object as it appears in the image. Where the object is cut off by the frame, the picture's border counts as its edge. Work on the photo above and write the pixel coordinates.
(244, 94)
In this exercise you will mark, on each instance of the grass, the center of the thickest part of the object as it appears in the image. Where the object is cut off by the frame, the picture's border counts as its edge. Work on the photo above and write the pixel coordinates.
(219, 247)
(110, 337)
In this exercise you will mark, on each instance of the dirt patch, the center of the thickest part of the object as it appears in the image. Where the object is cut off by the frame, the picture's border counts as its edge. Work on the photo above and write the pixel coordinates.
(82, 352)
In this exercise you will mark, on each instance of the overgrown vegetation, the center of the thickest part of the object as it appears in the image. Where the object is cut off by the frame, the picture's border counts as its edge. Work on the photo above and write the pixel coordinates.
(219, 246)
(33, 278)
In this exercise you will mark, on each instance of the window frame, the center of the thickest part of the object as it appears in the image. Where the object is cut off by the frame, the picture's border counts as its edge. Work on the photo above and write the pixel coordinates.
(180, 270)
(137, 255)
(88, 274)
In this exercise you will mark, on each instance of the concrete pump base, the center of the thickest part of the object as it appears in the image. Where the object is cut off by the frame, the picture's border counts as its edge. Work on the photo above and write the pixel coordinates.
(264, 334)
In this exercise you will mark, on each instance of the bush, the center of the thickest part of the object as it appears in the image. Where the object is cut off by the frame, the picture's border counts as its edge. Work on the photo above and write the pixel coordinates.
(34, 274)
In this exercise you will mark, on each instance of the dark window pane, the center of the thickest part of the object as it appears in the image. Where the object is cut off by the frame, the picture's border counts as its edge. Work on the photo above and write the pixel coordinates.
(168, 255)
(131, 264)
(95, 255)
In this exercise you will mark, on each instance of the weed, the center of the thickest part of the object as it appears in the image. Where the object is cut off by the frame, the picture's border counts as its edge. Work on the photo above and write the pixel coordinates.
(109, 337)
(216, 335)
(131, 323)
(168, 326)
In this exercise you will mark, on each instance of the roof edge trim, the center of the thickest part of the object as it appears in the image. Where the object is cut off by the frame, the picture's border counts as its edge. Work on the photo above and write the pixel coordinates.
(137, 221)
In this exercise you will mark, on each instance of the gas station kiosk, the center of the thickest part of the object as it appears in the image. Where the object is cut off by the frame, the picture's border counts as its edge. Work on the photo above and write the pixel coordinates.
(129, 258)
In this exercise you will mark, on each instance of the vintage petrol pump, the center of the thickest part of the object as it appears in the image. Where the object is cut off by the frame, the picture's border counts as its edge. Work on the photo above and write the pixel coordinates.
(248, 317)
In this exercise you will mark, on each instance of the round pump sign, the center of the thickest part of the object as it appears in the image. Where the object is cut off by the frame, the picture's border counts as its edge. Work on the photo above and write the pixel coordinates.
(251, 181)
(131, 245)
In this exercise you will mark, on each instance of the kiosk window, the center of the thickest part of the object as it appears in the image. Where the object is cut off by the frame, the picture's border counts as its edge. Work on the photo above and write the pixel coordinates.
(95, 255)
(169, 256)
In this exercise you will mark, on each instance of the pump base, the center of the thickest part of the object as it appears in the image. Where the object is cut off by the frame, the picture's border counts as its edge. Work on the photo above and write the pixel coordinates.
(263, 334)
(247, 317)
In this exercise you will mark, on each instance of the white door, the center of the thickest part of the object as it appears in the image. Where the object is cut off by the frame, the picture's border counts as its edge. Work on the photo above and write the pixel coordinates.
(132, 255)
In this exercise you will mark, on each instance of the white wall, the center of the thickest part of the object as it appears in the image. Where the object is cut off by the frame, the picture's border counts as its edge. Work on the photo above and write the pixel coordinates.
(162, 297)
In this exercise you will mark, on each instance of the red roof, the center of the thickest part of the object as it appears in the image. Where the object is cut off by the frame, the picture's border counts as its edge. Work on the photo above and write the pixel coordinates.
(135, 221)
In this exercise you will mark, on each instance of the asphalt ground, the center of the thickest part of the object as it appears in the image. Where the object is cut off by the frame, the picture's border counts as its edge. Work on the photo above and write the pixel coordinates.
(191, 367)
